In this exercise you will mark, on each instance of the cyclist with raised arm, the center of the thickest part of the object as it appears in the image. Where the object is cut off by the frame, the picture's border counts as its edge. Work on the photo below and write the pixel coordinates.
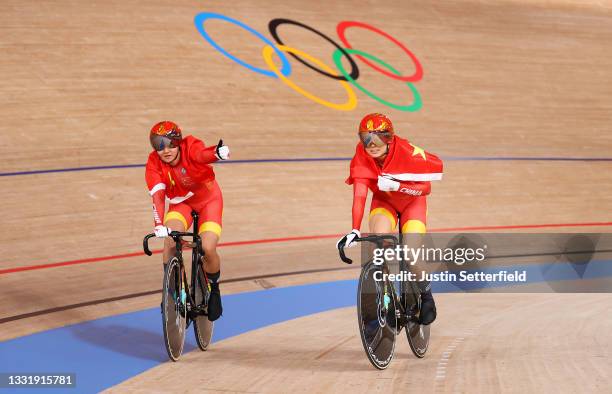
(178, 170)
(398, 173)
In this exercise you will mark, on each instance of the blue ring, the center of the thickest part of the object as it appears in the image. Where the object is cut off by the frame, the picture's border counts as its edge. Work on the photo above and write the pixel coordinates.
(199, 23)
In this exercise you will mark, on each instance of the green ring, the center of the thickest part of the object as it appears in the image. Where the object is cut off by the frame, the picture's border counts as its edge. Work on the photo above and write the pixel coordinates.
(410, 108)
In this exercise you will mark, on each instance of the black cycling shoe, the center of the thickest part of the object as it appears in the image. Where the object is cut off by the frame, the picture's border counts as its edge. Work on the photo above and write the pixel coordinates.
(428, 309)
(215, 310)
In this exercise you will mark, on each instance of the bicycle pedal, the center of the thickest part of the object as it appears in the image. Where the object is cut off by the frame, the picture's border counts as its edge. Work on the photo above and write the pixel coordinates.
(200, 310)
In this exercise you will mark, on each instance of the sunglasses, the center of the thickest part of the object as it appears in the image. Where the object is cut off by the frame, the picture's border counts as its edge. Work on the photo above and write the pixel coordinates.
(379, 139)
(160, 142)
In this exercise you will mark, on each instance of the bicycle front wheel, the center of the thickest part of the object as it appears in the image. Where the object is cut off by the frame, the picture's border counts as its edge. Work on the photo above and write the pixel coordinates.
(202, 327)
(174, 309)
(376, 315)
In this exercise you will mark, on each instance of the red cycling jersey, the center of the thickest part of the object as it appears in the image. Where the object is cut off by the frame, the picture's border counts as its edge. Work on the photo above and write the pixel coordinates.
(192, 176)
(412, 167)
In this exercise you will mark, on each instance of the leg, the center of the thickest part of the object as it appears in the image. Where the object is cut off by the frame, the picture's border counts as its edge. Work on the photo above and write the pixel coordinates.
(211, 214)
(210, 231)
(382, 220)
(169, 245)
(383, 217)
(175, 220)
(413, 220)
(212, 261)
(178, 218)
(212, 268)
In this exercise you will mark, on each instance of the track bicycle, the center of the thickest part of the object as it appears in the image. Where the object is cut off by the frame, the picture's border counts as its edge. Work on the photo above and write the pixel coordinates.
(382, 311)
(184, 302)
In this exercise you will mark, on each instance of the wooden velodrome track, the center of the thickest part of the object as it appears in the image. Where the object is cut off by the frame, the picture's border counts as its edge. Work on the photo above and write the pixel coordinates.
(84, 81)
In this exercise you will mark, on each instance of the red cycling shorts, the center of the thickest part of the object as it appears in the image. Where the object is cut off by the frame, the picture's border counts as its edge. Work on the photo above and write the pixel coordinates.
(208, 205)
(411, 211)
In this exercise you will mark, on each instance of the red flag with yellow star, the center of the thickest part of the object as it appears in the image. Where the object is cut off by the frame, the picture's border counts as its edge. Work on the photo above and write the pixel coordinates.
(404, 162)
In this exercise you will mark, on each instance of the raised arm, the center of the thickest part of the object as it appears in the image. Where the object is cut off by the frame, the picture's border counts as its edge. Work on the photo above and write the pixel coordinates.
(203, 155)
(206, 155)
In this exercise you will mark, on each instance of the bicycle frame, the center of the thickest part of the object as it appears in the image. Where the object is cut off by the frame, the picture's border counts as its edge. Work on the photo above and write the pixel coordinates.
(198, 253)
(379, 240)
(379, 345)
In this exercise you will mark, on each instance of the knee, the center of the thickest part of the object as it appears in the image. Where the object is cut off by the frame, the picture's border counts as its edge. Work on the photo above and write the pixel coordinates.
(209, 243)
(210, 249)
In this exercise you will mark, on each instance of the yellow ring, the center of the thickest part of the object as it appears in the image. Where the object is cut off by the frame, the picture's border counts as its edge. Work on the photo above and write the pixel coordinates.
(175, 215)
(210, 226)
(414, 226)
(352, 97)
(385, 212)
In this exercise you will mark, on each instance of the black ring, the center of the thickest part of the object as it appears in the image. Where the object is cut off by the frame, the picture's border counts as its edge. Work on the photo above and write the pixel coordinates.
(273, 25)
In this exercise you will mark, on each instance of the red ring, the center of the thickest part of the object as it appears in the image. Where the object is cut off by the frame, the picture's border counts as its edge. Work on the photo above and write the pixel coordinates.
(418, 73)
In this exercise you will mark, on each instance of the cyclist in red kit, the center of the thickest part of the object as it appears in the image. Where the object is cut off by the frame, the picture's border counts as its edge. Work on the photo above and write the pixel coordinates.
(178, 170)
(398, 173)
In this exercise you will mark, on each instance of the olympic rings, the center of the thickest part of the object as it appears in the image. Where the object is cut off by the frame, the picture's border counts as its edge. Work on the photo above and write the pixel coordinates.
(273, 27)
(199, 23)
(352, 98)
(417, 97)
(319, 66)
(418, 73)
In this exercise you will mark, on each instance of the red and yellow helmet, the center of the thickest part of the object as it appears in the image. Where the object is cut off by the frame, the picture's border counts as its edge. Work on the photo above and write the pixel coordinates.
(375, 129)
(165, 134)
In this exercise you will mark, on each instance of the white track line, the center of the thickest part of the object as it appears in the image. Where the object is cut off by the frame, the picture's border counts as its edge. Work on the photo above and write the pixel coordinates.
(447, 354)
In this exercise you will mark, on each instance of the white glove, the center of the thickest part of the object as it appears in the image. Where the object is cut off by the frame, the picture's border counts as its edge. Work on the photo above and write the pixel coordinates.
(348, 240)
(386, 184)
(222, 152)
(162, 231)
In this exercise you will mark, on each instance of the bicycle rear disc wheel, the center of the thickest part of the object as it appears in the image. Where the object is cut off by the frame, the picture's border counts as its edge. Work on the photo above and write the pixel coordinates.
(174, 310)
(376, 317)
(202, 327)
(417, 334)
